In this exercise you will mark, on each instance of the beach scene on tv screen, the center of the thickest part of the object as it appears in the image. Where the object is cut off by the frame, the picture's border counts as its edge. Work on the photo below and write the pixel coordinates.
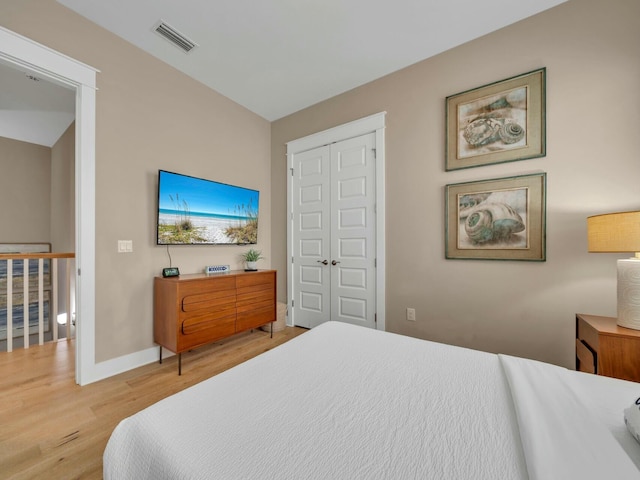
(197, 211)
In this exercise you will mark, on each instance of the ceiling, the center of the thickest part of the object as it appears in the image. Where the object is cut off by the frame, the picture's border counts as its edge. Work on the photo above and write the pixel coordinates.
(32, 109)
(274, 57)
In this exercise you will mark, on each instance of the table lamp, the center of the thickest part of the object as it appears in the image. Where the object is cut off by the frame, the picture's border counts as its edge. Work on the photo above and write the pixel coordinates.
(619, 233)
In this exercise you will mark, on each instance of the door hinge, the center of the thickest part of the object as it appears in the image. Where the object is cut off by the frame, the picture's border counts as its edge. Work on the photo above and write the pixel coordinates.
(375, 263)
(293, 302)
(375, 318)
(291, 259)
(375, 153)
(291, 171)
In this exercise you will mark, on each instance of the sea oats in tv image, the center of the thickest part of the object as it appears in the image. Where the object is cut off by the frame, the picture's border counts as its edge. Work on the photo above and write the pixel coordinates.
(196, 211)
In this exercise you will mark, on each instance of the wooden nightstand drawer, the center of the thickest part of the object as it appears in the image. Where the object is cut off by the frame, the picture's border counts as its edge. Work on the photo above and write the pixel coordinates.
(587, 333)
(586, 358)
(604, 348)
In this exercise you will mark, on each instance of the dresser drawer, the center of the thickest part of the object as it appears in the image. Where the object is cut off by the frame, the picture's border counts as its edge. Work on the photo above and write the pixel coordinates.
(258, 278)
(207, 284)
(201, 329)
(255, 295)
(208, 301)
(256, 315)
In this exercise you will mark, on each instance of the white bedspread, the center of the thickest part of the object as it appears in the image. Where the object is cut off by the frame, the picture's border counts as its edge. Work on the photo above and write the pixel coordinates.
(561, 438)
(338, 402)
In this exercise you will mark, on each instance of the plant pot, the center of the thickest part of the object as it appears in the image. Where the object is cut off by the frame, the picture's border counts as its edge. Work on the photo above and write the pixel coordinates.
(252, 265)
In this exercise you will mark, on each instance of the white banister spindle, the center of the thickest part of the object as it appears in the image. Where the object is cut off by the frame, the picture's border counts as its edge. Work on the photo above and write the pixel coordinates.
(41, 301)
(53, 306)
(25, 301)
(48, 285)
(9, 305)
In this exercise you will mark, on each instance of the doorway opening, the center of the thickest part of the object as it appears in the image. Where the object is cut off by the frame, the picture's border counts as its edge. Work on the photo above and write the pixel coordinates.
(29, 56)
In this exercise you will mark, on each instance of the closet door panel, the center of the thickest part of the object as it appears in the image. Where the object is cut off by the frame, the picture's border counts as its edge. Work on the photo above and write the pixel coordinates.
(353, 231)
(311, 245)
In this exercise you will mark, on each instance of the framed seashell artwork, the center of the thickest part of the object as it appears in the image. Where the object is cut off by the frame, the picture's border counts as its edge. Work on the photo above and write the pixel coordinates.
(497, 219)
(501, 122)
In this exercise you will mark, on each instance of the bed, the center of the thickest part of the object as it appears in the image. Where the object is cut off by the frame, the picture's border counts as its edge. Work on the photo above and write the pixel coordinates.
(346, 402)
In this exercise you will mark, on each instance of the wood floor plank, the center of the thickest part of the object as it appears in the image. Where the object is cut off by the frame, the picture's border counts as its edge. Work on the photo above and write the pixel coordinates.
(52, 428)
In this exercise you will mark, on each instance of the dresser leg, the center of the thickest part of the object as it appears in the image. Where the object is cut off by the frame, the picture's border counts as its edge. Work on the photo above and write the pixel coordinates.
(160, 354)
(179, 364)
(271, 329)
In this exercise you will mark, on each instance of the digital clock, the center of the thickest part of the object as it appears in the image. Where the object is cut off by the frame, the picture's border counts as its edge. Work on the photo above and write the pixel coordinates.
(170, 272)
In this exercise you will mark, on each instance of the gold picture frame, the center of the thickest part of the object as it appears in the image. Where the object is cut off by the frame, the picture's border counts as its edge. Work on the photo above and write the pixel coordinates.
(497, 219)
(500, 122)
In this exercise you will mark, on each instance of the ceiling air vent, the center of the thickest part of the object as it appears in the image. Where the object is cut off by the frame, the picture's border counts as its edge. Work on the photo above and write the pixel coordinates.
(174, 36)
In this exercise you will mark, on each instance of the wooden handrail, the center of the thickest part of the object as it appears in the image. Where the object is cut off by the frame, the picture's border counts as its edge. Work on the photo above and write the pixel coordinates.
(21, 256)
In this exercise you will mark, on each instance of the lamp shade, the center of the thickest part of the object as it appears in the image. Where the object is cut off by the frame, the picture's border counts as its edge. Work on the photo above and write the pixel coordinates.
(614, 232)
(617, 233)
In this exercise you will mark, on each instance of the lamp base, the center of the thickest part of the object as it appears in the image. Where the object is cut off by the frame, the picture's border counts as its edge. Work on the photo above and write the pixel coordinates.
(629, 293)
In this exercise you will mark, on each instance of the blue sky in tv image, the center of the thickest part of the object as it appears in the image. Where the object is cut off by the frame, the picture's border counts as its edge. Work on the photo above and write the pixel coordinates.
(198, 211)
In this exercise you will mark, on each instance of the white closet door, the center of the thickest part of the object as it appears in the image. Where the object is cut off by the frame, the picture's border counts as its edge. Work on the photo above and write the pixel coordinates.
(353, 233)
(334, 233)
(311, 244)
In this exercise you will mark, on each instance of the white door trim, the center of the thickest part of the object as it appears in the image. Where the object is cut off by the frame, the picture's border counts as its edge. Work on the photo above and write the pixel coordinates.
(25, 54)
(373, 123)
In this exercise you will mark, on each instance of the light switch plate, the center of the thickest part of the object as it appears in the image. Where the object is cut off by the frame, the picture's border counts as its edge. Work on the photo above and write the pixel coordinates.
(125, 246)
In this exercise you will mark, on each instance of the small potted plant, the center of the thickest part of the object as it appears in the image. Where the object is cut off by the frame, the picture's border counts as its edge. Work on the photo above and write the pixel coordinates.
(251, 257)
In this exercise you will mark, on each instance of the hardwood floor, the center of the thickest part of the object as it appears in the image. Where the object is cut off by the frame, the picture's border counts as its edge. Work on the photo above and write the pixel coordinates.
(51, 428)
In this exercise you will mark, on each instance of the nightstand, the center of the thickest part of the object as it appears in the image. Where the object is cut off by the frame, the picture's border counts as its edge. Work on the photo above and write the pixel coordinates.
(604, 348)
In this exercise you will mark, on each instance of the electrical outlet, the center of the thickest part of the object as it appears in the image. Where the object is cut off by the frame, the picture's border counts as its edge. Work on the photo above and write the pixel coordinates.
(411, 314)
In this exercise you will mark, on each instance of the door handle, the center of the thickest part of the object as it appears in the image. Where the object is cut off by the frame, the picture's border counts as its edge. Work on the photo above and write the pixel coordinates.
(324, 262)
(333, 262)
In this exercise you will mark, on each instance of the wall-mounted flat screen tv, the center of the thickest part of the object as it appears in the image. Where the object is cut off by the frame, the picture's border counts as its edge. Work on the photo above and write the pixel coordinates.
(195, 211)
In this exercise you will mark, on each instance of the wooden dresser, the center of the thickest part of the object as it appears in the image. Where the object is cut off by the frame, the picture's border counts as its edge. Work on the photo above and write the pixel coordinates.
(196, 309)
(604, 348)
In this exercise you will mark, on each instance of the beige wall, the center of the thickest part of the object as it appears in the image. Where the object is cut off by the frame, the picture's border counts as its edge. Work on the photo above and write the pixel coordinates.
(590, 50)
(63, 192)
(63, 226)
(149, 116)
(25, 186)
(37, 196)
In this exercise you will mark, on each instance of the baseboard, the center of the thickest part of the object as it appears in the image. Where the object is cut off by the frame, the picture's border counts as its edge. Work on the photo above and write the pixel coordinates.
(125, 363)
